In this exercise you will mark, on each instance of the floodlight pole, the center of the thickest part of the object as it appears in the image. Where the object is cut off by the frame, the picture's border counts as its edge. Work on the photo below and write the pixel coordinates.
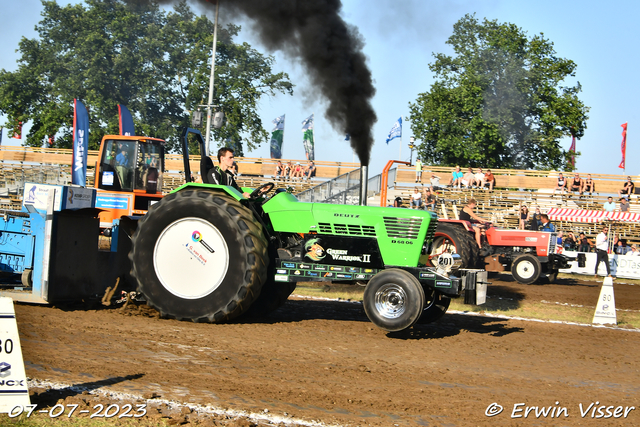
(211, 79)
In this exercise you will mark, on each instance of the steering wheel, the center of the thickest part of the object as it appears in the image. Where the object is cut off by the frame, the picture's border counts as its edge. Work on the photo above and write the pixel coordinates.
(262, 190)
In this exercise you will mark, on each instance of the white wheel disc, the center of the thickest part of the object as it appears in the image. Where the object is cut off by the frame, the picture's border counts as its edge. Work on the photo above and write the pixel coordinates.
(525, 269)
(191, 258)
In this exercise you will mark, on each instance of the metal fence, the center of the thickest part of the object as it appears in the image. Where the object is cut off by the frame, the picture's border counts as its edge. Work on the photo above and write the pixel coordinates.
(344, 189)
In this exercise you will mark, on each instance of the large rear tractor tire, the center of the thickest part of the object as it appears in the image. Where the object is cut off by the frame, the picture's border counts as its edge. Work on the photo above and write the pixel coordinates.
(199, 255)
(435, 306)
(393, 300)
(526, 269)
(450, 238)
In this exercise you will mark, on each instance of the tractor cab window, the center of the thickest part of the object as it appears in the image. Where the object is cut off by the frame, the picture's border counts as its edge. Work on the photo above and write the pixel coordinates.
(116, 168)
(128, 165)
(149, 167)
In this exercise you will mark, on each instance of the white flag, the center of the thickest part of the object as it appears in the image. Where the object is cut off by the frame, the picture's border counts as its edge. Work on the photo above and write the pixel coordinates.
(396, 130)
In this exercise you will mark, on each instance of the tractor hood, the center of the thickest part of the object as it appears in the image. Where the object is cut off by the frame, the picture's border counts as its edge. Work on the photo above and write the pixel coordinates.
(400, 233)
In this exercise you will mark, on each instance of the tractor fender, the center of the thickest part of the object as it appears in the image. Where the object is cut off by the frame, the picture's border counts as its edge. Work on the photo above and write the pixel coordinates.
(222, 188)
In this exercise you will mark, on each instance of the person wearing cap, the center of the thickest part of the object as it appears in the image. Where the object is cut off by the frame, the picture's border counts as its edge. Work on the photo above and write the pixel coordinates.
(634, 251)
(297, 171)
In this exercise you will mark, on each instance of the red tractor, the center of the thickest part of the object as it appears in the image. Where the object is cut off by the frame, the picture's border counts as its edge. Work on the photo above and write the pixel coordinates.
(527, 254)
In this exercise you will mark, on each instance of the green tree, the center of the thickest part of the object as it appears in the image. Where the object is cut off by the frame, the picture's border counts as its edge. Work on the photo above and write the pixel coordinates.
(499, 101)
(157, 63)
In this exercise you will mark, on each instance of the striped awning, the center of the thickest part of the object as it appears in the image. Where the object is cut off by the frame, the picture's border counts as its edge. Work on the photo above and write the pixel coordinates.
(584, 215)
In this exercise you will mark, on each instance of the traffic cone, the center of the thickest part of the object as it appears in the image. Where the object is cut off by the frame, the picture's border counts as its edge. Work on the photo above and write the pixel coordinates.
(606, 307)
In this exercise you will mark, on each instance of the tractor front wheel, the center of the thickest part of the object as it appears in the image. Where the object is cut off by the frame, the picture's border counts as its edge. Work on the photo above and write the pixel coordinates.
(199, 255)
(393, 300)
(526, 269)
(454, 239)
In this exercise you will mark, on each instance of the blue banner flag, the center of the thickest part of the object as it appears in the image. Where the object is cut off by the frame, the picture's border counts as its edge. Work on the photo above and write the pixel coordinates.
(126, 121)
(396, 130)
(80, 143)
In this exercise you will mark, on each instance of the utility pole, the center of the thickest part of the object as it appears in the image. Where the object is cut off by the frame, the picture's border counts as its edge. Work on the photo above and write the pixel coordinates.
(211, 80)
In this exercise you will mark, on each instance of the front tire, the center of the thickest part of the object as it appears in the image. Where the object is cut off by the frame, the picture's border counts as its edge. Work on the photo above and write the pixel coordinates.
(454, 239)
(526, 269)
(393, 300)
(199, 255)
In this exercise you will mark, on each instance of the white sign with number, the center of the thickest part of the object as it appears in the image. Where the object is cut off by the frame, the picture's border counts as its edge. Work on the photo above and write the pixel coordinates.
(13, 380)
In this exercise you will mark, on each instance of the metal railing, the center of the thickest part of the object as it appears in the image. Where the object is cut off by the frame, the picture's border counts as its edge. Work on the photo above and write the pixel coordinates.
(344, 189)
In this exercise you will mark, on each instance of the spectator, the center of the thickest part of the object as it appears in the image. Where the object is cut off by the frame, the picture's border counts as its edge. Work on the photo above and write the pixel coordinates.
(429, 198)
(559, 239)
(298, 171)
(467, 214)
(469, 178)
(570, 242)
(628, 188)
(589, 185)
(279, 172)
(609, 206)
(234, 169)
(634, 251)
(534, 220)
(546, 224)
(585, 243)
(288, 170)
(397, 202)
(489, 179)
(456, 177)
(624, 205)
(480, 178)
(418, 170)
(576, 184)
(435, 182)
(561, 185)
(524, 216)
(602, 246)
(310, 170)
(621, 247)
(416, 199)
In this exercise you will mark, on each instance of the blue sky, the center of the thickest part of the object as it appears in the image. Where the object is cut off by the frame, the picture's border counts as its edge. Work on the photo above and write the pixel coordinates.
(400, 37)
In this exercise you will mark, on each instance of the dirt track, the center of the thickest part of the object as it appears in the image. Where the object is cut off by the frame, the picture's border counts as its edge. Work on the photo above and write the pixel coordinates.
(324, 361)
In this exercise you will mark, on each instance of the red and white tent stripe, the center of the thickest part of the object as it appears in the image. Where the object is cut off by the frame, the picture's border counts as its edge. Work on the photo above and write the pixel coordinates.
(583, 215)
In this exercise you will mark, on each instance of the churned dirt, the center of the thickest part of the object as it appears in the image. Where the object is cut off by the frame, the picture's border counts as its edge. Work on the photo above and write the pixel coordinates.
(324, 362)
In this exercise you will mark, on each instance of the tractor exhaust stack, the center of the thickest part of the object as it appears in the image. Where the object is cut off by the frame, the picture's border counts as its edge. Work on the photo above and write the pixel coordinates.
(364, 180)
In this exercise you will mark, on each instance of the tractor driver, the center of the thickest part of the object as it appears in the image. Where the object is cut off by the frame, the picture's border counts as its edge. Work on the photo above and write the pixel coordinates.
(467, 214)
(222, 174)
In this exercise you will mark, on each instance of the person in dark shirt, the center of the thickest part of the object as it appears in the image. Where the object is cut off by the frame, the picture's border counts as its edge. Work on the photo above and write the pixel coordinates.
(222, 174)
(628, 188)
(467, 214)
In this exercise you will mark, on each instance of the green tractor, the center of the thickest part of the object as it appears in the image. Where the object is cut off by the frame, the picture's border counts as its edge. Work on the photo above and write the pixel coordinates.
(206, 253)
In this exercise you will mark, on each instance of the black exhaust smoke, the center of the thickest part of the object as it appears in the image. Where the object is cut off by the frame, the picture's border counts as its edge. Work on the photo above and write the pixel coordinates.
(313, 32)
